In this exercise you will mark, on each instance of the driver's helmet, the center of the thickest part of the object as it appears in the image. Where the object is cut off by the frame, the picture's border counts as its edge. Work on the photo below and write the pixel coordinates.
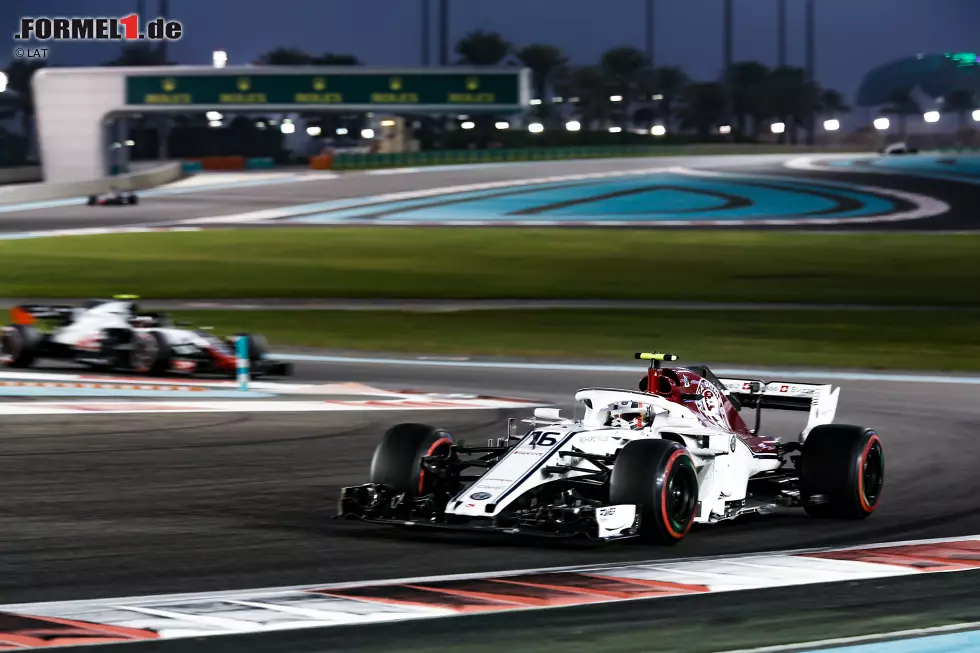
(628, 414)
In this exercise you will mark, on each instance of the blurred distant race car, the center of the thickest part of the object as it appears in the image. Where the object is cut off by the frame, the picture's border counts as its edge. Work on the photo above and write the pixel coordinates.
(116, 335)
(899, 149)
(114, 198)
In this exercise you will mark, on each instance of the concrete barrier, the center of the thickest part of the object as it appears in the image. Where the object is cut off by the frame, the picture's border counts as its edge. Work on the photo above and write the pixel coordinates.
(20, 175)
(223, 162)
(458, 157)
(141, 179)
(321, 162)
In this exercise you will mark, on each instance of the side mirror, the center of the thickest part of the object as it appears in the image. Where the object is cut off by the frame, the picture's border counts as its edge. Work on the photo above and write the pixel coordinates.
(547, 413)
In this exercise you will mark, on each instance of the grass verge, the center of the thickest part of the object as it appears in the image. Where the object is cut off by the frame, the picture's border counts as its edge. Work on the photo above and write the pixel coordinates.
(875, 339)
(879, 268)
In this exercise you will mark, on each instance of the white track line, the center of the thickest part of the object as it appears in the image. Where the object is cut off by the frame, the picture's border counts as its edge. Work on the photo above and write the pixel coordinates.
(863, 639)
(812, 163)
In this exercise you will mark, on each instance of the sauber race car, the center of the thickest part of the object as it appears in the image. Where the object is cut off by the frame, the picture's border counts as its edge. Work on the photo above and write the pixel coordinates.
(644, 463)
(116, 334)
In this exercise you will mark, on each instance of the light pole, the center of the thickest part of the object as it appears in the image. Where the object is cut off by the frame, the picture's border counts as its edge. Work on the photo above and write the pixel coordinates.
(426, 19)
(164, 12)
(811, 46)
(650, 21)
(443, 32)
(781, 33)
(726, 72)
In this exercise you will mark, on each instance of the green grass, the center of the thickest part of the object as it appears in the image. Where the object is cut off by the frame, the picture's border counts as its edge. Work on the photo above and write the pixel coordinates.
(886, 339)
(884, 268)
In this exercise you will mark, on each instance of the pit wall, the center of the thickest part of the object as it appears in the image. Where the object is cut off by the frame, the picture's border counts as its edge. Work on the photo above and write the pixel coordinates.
(143, 179)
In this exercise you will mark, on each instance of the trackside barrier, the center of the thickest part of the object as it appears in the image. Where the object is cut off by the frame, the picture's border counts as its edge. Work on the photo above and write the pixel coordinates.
(223, 162)
(322, 162)
(21, 175)
(260, 163)
(241, 362)
(456, 157)
(141, 179)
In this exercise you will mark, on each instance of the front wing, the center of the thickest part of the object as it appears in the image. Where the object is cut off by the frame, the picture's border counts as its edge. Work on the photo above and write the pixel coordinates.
(379, 505)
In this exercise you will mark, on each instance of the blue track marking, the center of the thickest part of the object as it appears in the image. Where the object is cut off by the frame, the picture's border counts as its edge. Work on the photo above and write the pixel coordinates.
(366, 206)
(952, 643)
(635, 198)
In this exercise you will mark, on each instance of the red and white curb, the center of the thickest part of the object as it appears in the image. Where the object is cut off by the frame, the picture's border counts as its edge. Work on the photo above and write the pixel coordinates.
(32, 625)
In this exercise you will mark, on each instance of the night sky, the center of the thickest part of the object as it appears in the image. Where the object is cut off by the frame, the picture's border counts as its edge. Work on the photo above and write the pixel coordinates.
(853, 36)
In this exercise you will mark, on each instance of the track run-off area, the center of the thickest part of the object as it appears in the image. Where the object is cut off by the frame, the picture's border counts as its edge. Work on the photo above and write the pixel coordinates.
(672, 191)
(143, 510)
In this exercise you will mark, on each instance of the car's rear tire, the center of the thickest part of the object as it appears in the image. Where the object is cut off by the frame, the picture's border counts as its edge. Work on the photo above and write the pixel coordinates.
(19, 345)
(397, 461)
(843, 471)
(660, 477)
(150, 354)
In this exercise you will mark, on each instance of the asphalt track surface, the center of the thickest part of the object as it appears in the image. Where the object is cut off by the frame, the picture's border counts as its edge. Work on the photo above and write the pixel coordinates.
(169, 209)
(117, 506)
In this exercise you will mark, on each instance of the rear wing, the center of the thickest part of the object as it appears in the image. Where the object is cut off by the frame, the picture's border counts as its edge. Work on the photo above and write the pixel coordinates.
(31, 313)
(819, 400)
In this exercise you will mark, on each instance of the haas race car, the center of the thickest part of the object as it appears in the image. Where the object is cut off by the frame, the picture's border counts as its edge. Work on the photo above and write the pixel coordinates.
(116, 335)
(644, 463)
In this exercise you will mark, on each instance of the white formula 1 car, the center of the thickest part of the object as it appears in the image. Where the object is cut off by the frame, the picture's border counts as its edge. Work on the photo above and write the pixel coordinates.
(116, 334)
(647, 463)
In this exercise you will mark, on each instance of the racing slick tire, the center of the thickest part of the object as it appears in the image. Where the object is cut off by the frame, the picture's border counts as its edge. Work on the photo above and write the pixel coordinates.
(258, 346)
(132, 199)
(258, 352)
(150, 354)
(660, 477)
(92, 200)
(397, 460)
(19, 345)
(842, 471)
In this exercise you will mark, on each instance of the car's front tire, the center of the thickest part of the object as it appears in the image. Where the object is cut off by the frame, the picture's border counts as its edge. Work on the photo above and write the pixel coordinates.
(397, 461)
(660, 477)
(843, 471)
